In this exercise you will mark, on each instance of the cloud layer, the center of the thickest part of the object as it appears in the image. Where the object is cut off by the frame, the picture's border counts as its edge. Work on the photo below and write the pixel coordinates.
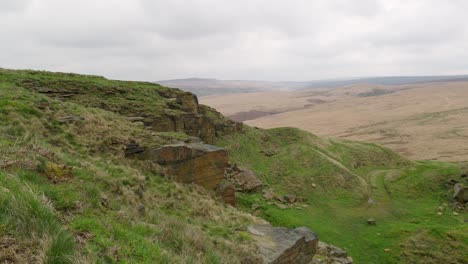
(243, 39)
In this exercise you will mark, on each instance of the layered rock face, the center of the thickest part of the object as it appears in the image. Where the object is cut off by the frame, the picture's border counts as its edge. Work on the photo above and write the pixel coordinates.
(191, 162)
(197, 162)
(280, 245)
(195, 121)
(194, 124)
(244, 180)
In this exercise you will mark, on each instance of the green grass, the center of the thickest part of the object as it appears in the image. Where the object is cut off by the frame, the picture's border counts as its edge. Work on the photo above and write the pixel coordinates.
(69, 195)
(24, 215)
(90, 213)
(126, 98)
(408, 195)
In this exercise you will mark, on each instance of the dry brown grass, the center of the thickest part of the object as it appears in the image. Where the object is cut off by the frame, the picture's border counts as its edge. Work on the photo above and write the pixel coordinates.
(14, 251)
(421, 121)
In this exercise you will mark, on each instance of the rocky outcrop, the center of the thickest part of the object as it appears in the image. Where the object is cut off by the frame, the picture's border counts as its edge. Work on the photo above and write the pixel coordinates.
(196, 120)
(460, 193)
(197, 125)
(278, 245)
(227, 192)
(188, 102)
(244, 180)
(176, 110)
(228, 127)
(192, 162)
(327, 253)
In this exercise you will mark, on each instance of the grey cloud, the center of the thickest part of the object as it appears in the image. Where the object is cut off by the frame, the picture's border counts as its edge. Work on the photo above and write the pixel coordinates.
(8, 6)
(244, 39)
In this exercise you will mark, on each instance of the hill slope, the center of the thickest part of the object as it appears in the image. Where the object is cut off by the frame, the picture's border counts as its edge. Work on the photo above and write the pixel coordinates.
(344, 183)
(404, 118)
(206, 87)
(68, 194)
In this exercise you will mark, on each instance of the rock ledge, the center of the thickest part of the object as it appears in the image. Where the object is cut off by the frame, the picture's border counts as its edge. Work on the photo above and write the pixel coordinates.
(279, 245)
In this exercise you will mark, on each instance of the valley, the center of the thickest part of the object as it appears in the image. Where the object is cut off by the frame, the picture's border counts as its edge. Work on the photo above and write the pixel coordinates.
(233, 132)
(421, 121)
(94, 170)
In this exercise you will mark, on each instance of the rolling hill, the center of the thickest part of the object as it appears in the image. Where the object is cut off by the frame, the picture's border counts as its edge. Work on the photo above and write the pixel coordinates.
(84, 178)
(205, 87)
(422, 121)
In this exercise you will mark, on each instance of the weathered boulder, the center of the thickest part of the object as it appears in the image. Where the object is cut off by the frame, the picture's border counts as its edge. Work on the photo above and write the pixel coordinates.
(244, 180)
(227, 192)
(192, 162)
(290, 198)
(371, 221)
(460, 193)
(327, 253)
(279, 245)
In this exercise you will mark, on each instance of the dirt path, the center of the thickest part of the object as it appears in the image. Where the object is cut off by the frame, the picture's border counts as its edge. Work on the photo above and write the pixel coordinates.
(374, 183)
(379, 192)
(380, 200)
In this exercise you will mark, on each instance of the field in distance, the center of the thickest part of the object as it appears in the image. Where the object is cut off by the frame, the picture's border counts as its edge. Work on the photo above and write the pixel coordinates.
(422, 121)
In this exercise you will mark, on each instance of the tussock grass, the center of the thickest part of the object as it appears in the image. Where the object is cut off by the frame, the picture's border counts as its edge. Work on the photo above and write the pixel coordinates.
(26, 215)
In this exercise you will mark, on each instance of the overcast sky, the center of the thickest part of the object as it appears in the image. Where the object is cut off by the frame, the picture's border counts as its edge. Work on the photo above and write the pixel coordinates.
(236, 39)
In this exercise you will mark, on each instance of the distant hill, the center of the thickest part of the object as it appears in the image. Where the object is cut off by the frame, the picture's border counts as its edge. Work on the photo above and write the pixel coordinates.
(390, 80)
(401, 117)
(103, 171)
(205, 86)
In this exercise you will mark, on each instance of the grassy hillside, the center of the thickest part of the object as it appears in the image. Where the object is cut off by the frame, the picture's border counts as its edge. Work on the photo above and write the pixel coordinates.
(338, 177)
(68, 194)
